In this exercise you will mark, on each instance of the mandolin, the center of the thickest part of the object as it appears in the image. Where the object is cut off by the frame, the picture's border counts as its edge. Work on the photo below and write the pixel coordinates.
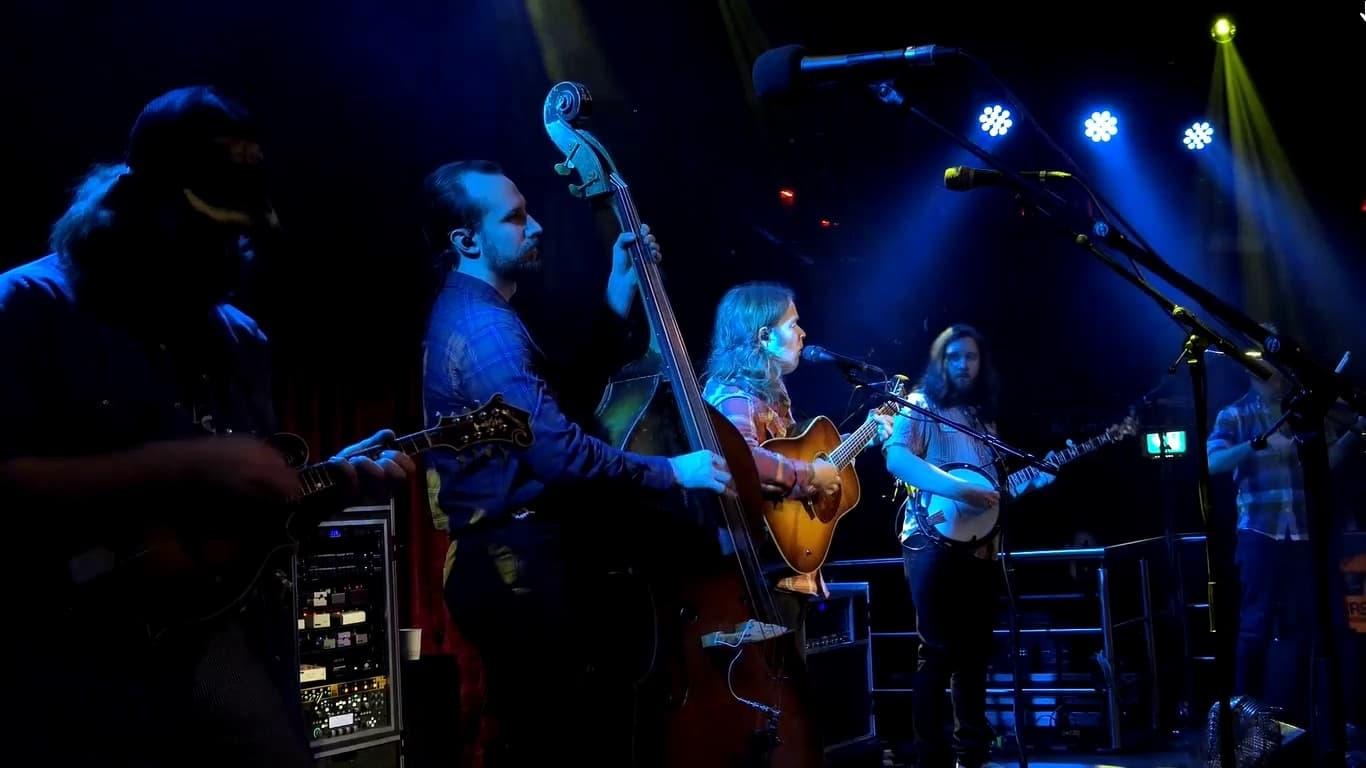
(175, 576)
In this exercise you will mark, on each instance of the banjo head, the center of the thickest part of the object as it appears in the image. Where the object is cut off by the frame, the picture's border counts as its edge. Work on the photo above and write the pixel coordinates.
(955, 521)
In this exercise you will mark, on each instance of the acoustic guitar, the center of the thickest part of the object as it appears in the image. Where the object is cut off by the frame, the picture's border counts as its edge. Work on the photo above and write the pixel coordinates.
(803, 529)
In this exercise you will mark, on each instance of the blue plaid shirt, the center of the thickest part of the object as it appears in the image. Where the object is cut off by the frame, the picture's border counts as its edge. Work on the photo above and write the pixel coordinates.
(476, 347)
(1270, 488)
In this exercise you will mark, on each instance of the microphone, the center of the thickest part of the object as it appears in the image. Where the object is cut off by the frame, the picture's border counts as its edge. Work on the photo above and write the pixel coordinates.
(961, 178)
(814, 354)
(784, 69)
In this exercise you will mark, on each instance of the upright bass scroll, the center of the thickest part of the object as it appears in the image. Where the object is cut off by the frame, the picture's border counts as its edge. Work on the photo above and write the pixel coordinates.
(736, 697)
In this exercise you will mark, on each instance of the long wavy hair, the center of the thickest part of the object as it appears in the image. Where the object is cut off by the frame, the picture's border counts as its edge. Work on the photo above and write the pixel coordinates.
(737, 356)
(937, 387)
(89, 218)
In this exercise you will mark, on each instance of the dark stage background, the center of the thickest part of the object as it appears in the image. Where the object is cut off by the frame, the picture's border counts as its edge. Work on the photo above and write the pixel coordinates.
(361, 99)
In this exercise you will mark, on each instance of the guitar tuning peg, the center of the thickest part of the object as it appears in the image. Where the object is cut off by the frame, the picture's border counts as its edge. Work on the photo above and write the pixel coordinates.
(576, 189)
(565, 168)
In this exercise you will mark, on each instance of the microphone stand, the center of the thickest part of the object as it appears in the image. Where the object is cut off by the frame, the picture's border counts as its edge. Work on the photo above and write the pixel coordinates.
(1317, 388)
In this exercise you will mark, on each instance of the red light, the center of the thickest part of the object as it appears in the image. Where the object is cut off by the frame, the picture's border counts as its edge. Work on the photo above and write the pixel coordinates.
(787, 195)
(1363, 206)
(827, 224)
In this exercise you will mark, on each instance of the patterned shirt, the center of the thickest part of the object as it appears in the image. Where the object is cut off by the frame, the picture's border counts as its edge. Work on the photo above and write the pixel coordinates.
(1270, 487)
(476, 347)
(940, 444)
(757, 421)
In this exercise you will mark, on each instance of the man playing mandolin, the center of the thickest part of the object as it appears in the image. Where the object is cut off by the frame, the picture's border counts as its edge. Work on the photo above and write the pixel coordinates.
(953, 589)
(507, 567)
(122, 360)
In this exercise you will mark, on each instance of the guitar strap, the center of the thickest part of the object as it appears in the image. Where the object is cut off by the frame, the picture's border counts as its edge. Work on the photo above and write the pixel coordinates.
(210, 370)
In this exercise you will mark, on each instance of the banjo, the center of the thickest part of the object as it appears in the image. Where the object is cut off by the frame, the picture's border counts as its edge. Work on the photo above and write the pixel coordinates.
(958, 524)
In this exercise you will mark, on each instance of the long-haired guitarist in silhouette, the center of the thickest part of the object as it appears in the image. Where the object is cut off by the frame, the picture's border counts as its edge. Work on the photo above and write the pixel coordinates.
(954, 590)
(121, 355)
(509, 576)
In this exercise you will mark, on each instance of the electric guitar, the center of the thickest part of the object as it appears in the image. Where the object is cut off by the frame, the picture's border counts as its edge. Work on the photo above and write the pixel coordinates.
(958, 524)
(171, 576)
(804, 528)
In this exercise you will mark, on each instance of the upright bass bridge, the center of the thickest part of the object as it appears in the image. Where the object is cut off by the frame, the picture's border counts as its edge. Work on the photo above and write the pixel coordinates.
(746, 633)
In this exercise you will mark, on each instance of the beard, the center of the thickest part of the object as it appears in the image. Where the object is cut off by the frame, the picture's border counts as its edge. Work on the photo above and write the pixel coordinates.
(510, 266)
(963, 390)
(170, 262)
(211, 264)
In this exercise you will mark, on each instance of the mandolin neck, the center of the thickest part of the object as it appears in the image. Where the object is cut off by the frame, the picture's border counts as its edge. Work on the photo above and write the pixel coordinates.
(320, 477)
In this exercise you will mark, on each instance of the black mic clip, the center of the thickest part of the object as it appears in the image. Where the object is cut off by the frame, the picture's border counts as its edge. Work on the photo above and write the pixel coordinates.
(857, 371)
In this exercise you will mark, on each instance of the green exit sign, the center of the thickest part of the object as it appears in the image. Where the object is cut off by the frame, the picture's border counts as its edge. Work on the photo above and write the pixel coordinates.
(1175, 443)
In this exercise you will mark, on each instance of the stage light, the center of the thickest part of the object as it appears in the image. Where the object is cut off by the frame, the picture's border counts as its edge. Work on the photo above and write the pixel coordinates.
(1223, 30)
(828, 223)
(1175, 444)
(995, 120)
(787, 195)
(1102, 126)
(1198, 136)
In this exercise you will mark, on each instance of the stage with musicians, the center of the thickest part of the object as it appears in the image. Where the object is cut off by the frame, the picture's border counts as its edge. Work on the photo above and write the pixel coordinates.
(740, 383)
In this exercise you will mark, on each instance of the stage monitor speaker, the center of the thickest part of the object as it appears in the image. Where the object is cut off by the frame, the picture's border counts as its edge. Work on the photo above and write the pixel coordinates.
(840, 665)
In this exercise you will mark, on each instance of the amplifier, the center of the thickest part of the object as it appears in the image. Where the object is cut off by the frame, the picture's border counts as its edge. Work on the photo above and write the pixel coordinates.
(346, 708)
(839, 664)
(840, 619)
(347, 632)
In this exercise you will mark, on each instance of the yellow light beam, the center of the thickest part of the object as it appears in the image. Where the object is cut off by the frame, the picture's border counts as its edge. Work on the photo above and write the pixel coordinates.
(1284, 256)
(569, 49)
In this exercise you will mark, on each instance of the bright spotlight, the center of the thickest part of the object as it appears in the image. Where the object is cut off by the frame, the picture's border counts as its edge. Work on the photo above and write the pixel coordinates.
(1223, 30)
(995, 120)
(1198, 136)
(1102, 126)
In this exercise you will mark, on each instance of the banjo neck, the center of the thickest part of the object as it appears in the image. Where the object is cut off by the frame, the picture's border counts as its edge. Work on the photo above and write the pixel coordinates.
(1019, 480)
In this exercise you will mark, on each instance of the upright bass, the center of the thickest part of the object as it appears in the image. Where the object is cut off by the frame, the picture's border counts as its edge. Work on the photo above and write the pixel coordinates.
(727, 673)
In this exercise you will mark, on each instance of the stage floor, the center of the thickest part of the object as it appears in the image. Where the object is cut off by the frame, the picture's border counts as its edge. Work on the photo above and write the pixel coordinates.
(1084, 760)
(1126, 760)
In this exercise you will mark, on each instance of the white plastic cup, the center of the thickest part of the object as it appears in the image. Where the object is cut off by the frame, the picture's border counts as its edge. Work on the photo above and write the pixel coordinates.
(412, 643)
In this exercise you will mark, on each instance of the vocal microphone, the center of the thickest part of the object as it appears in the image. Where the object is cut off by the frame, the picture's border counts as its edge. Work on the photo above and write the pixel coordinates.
(961, 178)
(814, 354)
(780, 70)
